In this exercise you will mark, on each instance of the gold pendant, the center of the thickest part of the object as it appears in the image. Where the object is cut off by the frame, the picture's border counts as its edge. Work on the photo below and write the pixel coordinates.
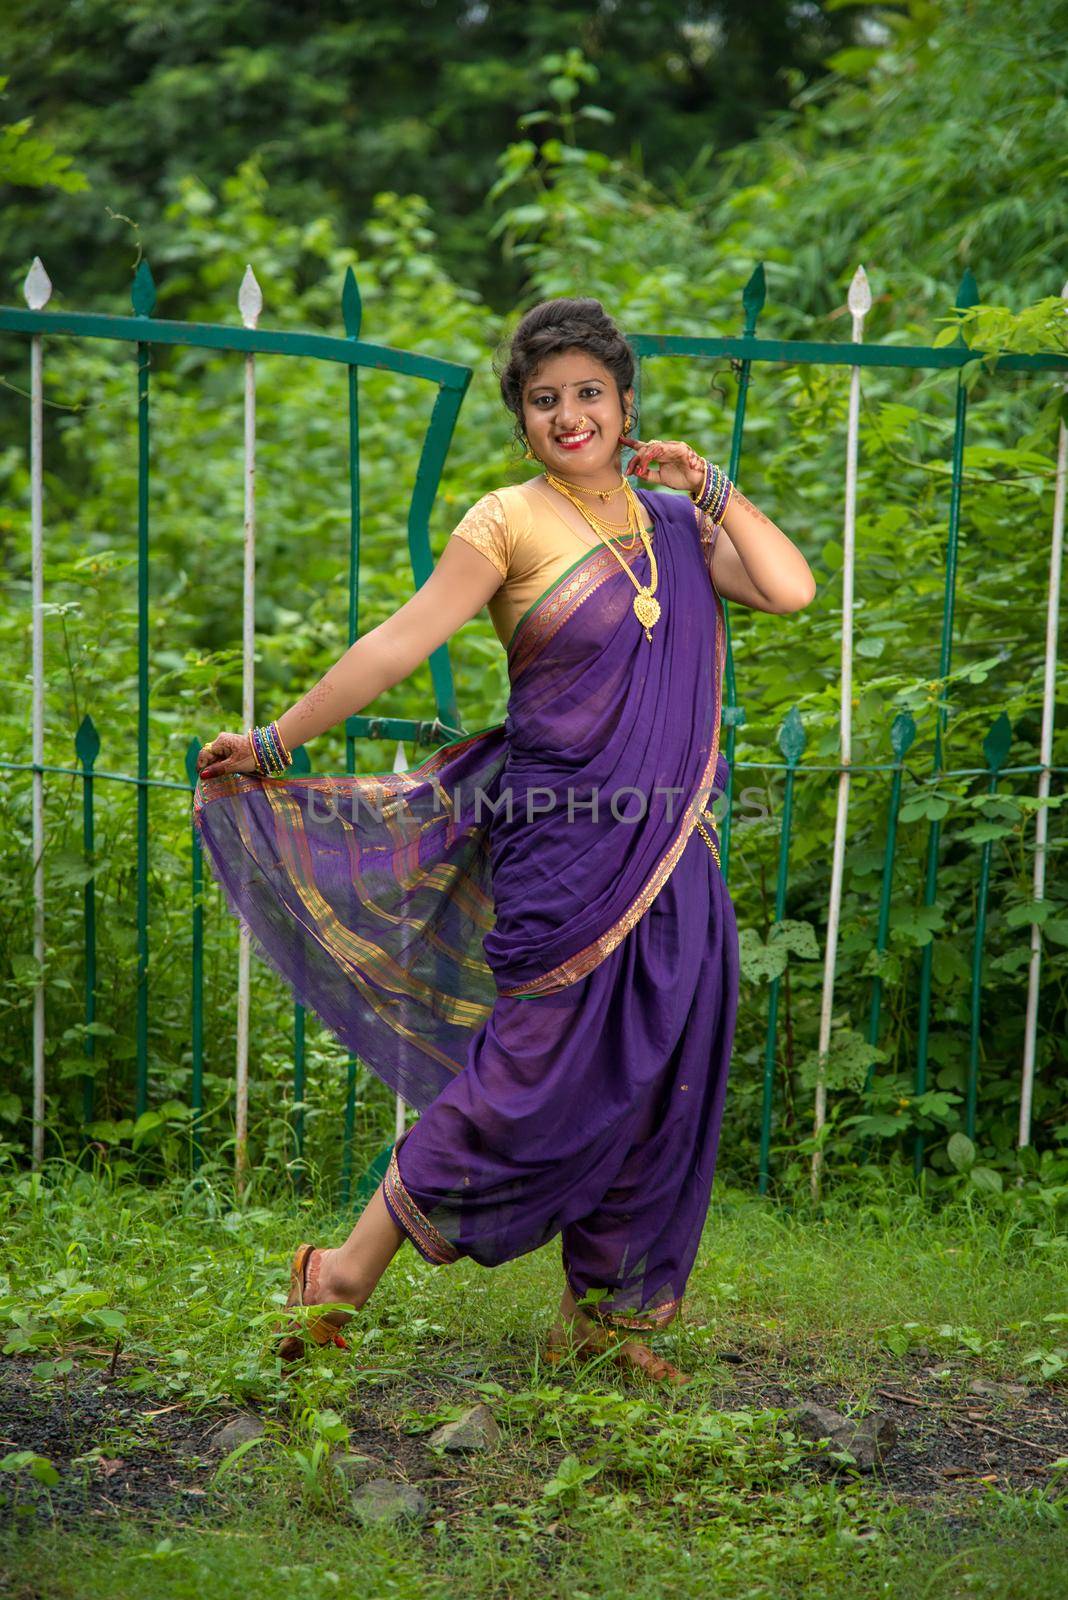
(647, 610)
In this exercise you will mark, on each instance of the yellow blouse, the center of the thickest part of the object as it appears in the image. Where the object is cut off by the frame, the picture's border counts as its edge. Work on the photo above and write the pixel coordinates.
(532, 536)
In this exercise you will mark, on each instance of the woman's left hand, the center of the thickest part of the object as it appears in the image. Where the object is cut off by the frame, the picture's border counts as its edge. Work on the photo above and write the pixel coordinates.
(667, 461)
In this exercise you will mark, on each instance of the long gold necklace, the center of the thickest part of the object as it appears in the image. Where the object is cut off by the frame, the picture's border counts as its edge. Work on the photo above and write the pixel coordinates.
(614, 530)
(646, 605)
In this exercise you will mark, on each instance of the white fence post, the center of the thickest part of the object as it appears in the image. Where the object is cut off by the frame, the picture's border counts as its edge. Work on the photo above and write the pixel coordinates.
(859, 305)
(37, 291)
(250, 303)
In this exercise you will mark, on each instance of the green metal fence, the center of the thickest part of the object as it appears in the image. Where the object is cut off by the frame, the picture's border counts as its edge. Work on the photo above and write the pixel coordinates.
(144, 333)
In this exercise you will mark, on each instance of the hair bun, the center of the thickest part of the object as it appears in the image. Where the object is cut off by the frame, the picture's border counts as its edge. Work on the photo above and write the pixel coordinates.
(553, 326)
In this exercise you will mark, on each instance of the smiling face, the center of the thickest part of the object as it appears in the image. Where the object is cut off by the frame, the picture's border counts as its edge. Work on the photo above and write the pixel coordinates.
(573, 416)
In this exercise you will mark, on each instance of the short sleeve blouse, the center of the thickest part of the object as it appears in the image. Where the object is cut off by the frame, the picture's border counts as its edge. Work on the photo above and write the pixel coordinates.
(486, 527)
(521, 531)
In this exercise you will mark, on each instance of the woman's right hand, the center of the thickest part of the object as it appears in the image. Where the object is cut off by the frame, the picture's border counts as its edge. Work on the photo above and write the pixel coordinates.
(227, 752)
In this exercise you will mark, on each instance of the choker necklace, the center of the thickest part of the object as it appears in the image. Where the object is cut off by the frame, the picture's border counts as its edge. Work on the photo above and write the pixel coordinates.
(603, 494)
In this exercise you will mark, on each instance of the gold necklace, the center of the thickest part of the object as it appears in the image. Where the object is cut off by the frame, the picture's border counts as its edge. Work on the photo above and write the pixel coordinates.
(615, 530)
(605, 494)
(646, 605)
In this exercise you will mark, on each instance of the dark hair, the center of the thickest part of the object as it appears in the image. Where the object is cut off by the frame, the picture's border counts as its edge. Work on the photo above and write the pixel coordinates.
(550, 328)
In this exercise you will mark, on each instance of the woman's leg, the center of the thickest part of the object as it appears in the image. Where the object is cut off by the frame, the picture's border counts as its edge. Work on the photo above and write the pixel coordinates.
(575, 1332)
(639, 1242)
(350, 1272)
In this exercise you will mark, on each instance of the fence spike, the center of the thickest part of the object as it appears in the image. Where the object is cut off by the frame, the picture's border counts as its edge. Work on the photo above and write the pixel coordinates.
(968, 293)
(351, 304)
(193, 749)
(997, 742)
(902, 733)
(143, 293)
(87, 742)
(859, 297)
(792, 736)
(250, 299)
(37, 289)
(753, 296)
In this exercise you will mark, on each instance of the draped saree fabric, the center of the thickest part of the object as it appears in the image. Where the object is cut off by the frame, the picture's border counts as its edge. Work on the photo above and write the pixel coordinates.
(526, 935)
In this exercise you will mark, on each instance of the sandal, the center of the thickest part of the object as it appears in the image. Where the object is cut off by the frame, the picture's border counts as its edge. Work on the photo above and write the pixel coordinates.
(319, 1329)
(555, 1350)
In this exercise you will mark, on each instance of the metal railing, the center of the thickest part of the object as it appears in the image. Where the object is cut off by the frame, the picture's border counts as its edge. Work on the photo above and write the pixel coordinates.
(452, 380)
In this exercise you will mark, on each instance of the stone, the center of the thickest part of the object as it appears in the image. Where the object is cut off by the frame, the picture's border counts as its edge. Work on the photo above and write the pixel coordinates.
(867, 1439)
(382, 1500)
(354, 1468)
(997, 1391)
(246, 1425)
(476, 1429)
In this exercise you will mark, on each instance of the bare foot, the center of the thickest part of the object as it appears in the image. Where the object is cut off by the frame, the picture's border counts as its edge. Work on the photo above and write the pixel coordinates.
(574, 1331)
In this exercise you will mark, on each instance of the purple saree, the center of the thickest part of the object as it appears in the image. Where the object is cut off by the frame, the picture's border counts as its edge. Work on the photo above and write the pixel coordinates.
(527, 936)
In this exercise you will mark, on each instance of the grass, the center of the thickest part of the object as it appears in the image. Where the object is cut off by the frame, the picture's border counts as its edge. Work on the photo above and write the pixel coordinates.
(137, 1319)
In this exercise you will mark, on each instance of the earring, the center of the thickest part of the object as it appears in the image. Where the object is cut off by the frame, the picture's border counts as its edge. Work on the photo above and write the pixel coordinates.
(628, 423)
(530, 456)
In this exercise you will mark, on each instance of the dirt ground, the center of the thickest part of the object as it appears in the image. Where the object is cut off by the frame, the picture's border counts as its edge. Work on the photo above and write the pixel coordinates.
(144, 1456)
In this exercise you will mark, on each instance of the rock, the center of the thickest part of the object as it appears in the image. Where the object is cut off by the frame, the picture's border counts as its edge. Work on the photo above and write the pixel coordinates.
(867, 1439)
(246, 1425)
(996, 1391)
(476, 1430)
(468, 1369)
(382, 1500)
(355, 1468)
(734, 1357)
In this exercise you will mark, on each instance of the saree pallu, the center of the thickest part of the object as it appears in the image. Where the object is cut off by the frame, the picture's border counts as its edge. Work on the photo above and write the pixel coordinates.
(527, 937)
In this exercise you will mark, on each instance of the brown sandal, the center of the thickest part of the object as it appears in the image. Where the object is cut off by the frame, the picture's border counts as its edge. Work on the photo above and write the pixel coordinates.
(556, 1349)
(320, 1330)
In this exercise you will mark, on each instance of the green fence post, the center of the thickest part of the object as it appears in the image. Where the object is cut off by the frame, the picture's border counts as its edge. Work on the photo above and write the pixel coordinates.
(87, 748)
(732, 715)
(967, 295)
(996, 750)
(143, 298)
(300, 769)
(902, 734)
(196, 1094)
(792, 744)
(352, 314)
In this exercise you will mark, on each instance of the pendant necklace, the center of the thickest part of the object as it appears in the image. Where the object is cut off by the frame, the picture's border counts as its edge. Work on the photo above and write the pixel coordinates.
(646, 605)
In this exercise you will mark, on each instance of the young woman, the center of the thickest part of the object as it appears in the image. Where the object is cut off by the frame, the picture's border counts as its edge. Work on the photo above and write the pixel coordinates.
(528, 935)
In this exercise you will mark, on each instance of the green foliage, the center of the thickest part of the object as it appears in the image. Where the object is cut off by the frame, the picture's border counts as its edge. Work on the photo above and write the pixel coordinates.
(32, 163)
(629, 1487)
(340, 103)
(935, 147)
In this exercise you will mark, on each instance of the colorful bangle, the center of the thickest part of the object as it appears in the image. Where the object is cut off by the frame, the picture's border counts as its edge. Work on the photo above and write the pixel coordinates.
(715, 493)
(270, 754)
(274, 738)
(724, 500)
(697, 496)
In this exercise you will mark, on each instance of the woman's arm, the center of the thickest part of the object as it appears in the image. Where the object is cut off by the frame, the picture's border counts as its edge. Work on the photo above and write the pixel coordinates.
(756, 564)
(457, 589)
(753, 561)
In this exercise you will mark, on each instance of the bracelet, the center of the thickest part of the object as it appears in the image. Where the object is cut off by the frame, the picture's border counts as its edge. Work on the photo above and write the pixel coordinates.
(268, 751)
(715, 492)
